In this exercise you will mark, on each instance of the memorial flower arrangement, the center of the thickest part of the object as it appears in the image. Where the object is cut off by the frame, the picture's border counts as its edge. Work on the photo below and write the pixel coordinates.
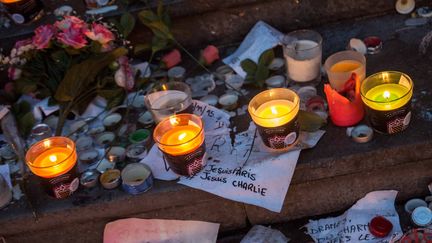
(70, 62)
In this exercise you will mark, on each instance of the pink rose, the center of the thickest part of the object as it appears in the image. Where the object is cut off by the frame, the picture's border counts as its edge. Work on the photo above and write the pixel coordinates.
(99, 33)
(171, 59)
(72, 37)
(9, 88)
(43, 35)
(70, 22)
(209, 55)
(14, 73)
(124, 76)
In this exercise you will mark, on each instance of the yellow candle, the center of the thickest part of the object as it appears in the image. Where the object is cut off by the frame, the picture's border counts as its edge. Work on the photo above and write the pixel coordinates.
(345, 66)
(275, 113)
(181, 140)
(388, 97)
(51, 157)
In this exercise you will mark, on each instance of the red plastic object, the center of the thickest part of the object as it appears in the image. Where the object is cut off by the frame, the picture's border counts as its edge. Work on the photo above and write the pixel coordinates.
(345, 111)
(380, 226)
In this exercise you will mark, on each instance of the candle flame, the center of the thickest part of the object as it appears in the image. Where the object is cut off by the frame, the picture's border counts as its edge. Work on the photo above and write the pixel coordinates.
(47, 143)
(53, 158)
(174, 121)
(273, 110)
(182, 136)
(386, 94)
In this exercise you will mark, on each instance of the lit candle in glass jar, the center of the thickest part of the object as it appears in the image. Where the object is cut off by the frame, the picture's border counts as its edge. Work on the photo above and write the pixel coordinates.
(275, 113)
(53, 160)
(387, 96)
(181, 139)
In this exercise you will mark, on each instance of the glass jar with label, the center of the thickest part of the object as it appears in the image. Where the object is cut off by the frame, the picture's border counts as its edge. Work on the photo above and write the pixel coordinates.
(23, 11)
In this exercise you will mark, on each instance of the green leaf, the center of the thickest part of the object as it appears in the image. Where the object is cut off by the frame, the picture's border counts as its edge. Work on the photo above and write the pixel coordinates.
(158, 44)
(160, 8)
(139, 48)
(25, 86)
(82, 76)
(147, 16)
(127, 22)
(262, 73)
(249, 66)
(114, 97)
(310, 121)
(26, 123)
(266, 57)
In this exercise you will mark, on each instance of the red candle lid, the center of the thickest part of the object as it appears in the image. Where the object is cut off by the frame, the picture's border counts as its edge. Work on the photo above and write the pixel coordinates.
(380, 226)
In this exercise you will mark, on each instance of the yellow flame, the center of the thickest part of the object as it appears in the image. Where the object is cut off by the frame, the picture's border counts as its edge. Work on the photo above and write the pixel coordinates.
(174, 121)
(182, 136)
(386, 94)
(385, 76)
(47, 143)
(273, 110)
(164, 87)
(53, 158)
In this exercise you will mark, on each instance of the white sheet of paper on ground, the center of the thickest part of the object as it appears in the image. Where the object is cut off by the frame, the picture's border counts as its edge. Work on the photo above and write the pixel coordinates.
(259, 39)
(4, 171)
(215, 122)
(352, 226)
(262, 181)
(262, 234)
(135, 230)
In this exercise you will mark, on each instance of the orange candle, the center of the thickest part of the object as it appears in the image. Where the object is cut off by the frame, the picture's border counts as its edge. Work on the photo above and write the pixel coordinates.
(181, 139)
(53, 160)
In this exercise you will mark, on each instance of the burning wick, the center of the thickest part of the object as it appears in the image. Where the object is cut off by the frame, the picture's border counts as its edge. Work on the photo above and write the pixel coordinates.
(386, 94)
(273, 110)
(182, 136)
(53, 158)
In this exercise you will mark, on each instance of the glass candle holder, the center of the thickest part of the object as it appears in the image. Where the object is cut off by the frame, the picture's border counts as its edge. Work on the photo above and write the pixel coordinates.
(167, 99)
(303, 54)
(340, 66)
(387, 96)
(23, 11)
(53, 160)
(275, 114)
(181, 140)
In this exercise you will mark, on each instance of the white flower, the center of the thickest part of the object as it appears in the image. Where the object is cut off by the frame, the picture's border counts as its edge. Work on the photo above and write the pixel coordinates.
(13, 52)
(6, 60)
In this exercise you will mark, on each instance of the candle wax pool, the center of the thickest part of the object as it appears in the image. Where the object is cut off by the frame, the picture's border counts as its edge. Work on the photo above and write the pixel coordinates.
(345, 66)
(275, 113)
(183, 140)
(50, 158)
(305, 65)
(388, 95)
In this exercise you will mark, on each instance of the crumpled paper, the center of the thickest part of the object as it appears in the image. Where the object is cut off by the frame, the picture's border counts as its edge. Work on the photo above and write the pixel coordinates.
(352, 226)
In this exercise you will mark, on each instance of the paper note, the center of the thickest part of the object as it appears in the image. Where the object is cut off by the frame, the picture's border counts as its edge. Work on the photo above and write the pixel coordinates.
(261, 38)
(352, 226)
(242, 170)
(135, 230)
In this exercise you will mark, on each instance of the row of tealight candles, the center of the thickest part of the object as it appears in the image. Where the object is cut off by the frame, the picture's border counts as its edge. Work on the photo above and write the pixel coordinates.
(180, 136)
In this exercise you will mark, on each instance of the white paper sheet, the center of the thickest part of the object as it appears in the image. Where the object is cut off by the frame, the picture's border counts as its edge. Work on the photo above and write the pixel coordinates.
(259, 39)
(352, 226)
(236, 170)
(135, 230)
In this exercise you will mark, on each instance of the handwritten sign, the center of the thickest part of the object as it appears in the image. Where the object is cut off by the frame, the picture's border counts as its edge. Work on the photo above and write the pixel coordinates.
(241, 169)
(352, 226)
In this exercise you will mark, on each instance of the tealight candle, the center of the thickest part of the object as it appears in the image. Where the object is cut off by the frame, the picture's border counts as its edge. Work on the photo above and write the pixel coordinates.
(275, 113)
(181, 139)
(387, 96)
(53, 160)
